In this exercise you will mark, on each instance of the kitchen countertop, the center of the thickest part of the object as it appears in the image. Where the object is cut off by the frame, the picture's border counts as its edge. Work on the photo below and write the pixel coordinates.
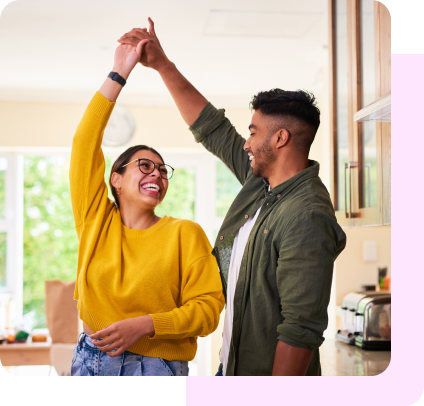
(27, 353)
(340, 359)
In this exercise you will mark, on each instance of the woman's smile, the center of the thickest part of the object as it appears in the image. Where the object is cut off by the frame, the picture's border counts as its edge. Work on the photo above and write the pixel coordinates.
(150, 188)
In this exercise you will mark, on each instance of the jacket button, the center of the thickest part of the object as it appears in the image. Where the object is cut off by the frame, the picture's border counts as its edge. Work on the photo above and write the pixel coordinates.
(222, 237)
(246, 216)
(278, 195)
(265, 231)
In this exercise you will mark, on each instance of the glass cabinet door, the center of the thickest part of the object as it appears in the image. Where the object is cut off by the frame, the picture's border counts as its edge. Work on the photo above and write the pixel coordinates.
(368, 165)
(339, 41)
(358, 191)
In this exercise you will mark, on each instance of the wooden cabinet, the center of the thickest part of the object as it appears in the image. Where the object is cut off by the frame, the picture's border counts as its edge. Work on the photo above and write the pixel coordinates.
(360, 74)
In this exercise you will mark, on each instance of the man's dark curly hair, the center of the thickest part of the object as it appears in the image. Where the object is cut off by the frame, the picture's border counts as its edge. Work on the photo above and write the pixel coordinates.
(295, 109)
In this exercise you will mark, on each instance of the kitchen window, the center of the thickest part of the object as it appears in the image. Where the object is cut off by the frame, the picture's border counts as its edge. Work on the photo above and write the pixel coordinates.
(11, 219)
(3, 233)
(37, 233)
(50, 241)
(227, 188)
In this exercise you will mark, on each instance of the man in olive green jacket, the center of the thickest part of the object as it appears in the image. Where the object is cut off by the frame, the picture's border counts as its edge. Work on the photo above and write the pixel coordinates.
(278, 242)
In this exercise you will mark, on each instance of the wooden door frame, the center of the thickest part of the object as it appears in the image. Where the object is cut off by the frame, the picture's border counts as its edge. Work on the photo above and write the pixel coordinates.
(333, 104)
(383, 87)
(354, 99)
(359, 215)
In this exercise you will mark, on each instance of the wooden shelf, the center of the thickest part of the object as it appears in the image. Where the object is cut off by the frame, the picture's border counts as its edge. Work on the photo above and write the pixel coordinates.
(380, 110)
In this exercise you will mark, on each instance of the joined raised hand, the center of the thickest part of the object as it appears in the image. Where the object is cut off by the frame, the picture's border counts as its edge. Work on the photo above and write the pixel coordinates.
(154, 57)
(127, 56)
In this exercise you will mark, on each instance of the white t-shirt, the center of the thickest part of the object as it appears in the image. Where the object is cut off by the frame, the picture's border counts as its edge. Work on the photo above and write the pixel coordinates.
(239, 245)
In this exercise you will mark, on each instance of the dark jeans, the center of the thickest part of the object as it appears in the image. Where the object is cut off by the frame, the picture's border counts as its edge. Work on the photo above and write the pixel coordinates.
(219, 373)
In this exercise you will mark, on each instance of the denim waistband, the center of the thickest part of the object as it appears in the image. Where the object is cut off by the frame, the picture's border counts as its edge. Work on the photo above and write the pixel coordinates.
(84, 337)
(90, 356)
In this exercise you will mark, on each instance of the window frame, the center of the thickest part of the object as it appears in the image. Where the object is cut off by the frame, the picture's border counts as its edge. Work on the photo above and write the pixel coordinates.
(12, 225)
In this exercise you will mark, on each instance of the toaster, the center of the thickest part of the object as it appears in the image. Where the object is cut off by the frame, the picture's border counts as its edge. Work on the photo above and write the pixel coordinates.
(351, 319)
(373, 323)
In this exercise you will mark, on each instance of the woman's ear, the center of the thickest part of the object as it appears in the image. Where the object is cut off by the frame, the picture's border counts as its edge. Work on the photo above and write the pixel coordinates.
(116, 180)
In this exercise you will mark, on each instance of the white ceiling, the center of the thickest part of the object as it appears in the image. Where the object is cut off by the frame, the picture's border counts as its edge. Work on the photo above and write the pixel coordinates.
(230, 49)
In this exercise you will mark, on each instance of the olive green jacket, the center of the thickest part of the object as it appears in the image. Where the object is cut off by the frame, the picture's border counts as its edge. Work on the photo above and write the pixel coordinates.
(283, 288)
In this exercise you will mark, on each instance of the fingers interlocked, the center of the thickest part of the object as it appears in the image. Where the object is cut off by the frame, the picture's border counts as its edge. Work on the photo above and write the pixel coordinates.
(137, 34)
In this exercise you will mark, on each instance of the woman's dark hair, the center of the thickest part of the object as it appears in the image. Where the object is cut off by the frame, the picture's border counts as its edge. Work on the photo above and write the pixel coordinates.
(123, 159)
(299, 104)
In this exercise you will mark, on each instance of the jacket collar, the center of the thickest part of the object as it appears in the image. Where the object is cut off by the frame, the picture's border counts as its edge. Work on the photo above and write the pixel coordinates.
(307, 173)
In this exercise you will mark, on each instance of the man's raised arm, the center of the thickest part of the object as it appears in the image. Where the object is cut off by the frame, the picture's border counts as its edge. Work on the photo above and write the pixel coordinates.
(204, 119)
(187, 98)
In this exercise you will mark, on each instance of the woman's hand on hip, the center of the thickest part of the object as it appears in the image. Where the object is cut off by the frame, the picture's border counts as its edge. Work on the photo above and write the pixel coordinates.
(123, 334)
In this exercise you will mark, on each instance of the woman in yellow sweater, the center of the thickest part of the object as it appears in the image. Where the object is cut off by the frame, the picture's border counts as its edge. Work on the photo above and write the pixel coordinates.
(147, 286)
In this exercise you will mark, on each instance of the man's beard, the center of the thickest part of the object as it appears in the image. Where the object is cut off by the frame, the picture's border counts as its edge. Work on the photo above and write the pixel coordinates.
(266, 156)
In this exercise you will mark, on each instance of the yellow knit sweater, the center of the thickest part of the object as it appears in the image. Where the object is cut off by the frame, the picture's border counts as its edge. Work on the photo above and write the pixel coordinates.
(166, 271)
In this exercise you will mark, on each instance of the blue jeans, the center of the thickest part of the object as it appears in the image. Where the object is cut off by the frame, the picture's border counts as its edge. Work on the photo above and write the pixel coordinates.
(88, 360)
(219, 373)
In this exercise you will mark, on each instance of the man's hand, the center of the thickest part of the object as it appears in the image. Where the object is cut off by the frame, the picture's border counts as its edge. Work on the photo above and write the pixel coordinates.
(154, 57)
(123, 334)
(187, 98)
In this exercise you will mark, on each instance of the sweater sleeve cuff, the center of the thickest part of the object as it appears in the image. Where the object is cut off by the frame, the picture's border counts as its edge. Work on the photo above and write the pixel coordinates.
(100, 106)
(209, 119)
(163, 323)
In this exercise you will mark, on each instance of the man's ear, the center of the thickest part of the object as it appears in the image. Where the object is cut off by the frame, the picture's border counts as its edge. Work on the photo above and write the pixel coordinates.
(283, 137)
(116, 180)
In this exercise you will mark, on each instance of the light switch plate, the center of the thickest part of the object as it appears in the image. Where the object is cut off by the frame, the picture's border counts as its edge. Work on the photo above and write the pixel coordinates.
(370, 251)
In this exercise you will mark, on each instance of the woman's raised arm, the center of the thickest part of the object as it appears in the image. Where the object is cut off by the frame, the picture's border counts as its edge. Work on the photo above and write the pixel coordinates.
(126, 57)
(86, 173)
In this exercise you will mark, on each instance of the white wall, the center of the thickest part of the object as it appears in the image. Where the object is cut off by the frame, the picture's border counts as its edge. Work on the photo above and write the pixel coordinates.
(49, 124)
(351, 270)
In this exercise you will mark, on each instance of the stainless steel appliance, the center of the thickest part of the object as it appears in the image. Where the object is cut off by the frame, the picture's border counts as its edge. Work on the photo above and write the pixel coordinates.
(352, 331)
(373, 323)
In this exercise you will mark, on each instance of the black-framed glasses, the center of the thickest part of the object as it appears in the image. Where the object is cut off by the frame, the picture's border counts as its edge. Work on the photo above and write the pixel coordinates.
(147, 167)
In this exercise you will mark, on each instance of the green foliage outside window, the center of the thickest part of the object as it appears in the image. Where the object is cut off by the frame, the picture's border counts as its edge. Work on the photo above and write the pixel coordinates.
(370, 187)
(50, 240)
(179, 200)
(2, 194)
(3, 236)
(3, 252)
(227, 188)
